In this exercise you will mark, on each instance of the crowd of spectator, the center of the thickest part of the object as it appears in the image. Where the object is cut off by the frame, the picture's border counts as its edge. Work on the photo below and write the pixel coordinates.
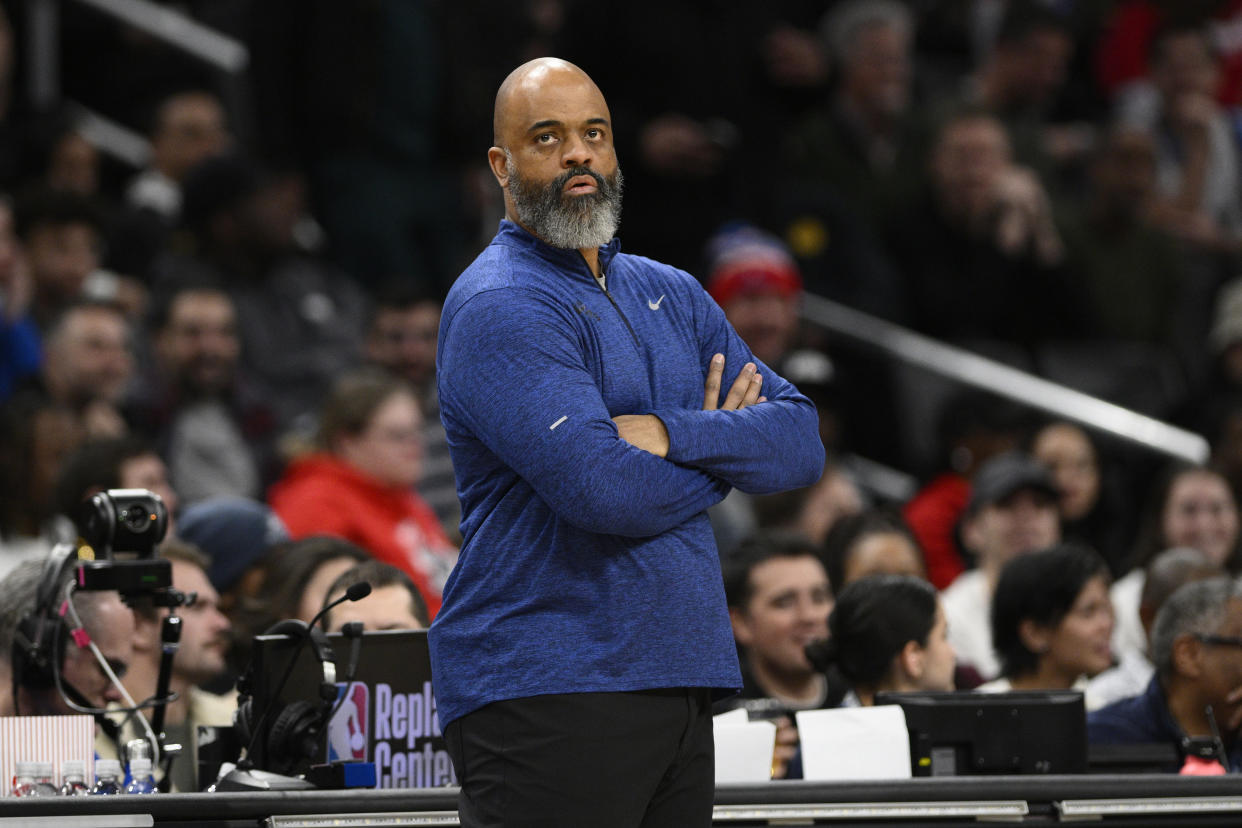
(247, 324)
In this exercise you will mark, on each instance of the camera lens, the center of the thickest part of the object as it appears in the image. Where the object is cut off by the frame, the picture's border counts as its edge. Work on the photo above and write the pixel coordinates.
(136, 518)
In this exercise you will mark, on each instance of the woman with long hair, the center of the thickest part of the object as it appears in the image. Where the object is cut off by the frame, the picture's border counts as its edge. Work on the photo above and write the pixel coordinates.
(887, 633)
(1191, 506)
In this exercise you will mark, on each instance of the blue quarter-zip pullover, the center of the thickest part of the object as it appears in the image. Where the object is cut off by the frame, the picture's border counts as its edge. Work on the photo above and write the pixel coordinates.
(587, 564)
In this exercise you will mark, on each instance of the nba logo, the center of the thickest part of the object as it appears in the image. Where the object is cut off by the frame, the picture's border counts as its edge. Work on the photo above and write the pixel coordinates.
(348, 729)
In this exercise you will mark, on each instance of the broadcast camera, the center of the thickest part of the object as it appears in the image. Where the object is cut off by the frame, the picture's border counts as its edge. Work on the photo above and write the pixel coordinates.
(122, 528)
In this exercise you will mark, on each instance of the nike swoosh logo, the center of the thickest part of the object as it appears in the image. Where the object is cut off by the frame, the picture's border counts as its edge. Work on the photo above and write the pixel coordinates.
(656, 304)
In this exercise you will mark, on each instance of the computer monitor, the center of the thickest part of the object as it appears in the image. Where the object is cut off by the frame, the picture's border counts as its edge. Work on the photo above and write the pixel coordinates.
(960, 734)
(387, 713)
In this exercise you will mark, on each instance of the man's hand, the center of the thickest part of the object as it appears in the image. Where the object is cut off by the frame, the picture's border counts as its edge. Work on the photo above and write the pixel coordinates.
(644, 431)
(1024, 217)
(745, 390)
(647, 431)
(786, 747)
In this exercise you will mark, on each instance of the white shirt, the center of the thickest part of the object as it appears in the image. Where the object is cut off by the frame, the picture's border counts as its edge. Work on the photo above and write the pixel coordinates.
(967, 607)
(1129, 640)
(1129, 678)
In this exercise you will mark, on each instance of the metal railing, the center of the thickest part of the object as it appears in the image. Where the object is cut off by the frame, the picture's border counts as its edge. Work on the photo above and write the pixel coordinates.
(171, 26)
(976, 371)
(229, 55)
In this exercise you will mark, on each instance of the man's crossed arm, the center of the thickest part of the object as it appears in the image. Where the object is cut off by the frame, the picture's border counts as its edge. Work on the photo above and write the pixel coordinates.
(647, 431)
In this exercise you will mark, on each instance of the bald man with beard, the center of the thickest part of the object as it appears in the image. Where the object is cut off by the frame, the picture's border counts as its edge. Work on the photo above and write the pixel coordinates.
(584, 631)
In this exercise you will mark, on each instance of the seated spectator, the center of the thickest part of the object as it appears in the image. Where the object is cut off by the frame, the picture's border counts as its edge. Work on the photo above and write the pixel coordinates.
(1052, 622)
(972, 427)
(60, 157)
(1190, 506)
(864, 143)
(201, 657)
(88, 364)
(1088, 514)
(62, 236)
(394, 603)
(779, 600)
(1197, 154)
(754, 279)
(1012, 511)
(37, 435)
(187, 128)
(1132, 270)
(299, 319)
(110, 627)
(1020, 78)
(292, 583)
(216, 428)
(887, 633)
(360, 485)
(235, 534)
(1166, 573)
(985, 231)
(874, 542)
(1196, 646)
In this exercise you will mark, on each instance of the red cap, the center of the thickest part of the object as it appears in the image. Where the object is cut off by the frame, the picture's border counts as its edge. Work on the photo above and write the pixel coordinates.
(746, 260)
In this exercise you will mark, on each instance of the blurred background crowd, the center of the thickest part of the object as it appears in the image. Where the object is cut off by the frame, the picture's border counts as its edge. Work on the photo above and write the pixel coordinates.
(242, 316)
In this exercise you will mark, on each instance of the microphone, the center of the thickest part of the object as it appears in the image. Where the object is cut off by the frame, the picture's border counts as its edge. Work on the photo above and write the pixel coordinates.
(355, 592)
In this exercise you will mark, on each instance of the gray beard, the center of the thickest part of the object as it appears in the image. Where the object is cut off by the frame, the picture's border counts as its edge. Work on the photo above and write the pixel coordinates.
(570, 222)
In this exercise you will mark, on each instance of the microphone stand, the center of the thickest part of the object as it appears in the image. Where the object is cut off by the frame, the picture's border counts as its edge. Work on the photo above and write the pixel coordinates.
(170, 642)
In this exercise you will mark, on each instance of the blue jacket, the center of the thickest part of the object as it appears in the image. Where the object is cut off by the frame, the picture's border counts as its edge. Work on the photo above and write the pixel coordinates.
(1145, 719)
(20, 353)
(588, 565)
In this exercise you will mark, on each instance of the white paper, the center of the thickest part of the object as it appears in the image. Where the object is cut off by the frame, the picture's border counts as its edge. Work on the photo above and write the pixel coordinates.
(737, 715)
(743, 749)
(854, 743)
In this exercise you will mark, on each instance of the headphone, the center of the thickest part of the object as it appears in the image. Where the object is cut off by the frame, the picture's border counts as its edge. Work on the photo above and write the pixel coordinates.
(294, 734)
(42, 633)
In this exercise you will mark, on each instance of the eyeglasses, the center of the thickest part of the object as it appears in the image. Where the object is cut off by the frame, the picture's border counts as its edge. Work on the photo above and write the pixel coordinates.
(1219, 640)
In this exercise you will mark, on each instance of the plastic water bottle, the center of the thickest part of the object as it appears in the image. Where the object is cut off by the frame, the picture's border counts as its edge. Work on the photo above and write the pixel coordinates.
(45, 780)
(73, 774)
(141, 781)
(34, 779)
(24, 779)
(107, 777)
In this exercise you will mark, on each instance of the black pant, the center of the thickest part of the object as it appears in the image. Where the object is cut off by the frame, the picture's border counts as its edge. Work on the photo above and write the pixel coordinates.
(587, 760)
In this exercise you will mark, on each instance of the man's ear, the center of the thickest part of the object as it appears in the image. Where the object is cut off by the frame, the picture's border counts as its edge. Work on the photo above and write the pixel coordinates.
(1186, 650)
(146, 634)
(497, 160)
(741, 627)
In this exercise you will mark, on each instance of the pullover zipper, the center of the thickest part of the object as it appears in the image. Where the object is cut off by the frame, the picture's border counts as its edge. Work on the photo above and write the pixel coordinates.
(617, 308)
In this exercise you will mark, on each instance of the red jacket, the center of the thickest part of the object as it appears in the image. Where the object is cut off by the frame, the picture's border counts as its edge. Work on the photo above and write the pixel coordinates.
(932, 515)
(322, 495)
